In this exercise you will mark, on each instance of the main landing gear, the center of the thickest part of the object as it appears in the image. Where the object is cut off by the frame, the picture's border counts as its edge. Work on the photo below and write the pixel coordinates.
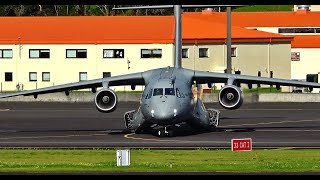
(163, 132)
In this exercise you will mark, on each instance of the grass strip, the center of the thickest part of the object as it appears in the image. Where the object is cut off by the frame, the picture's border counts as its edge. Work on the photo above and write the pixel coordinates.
(33, 160)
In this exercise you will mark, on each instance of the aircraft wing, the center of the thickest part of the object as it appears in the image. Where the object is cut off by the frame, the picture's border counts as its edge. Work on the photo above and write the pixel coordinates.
(202, 77)
(129, 79)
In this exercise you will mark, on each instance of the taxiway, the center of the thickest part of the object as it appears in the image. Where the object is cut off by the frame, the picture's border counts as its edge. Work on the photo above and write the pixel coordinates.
(80, 125)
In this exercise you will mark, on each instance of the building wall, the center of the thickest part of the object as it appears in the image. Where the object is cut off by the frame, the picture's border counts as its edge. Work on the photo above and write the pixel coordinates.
(309, 63)
(250, 58)
(214, 63)
(268, 29)
(312, 7)
(276, 30)
(66, 70)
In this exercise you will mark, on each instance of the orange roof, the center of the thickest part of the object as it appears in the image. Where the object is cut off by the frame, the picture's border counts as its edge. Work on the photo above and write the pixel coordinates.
(263, 19)
(198, 29)
(119, 30)
(268, 19)
(85, 29)
(306, 41)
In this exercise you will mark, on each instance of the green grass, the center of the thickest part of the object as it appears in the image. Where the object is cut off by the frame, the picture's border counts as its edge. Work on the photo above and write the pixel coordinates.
(259, 8)
(262, 90)
(160, 160)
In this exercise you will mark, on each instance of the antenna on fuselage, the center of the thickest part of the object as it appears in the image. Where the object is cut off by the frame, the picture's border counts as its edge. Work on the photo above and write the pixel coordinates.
(178, 24)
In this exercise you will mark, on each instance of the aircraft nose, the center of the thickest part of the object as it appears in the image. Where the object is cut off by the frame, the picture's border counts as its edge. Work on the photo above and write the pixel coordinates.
(164, 113)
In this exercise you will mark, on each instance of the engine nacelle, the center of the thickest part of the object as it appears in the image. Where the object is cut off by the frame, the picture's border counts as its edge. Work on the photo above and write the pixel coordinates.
(106, 100)
(230, 97)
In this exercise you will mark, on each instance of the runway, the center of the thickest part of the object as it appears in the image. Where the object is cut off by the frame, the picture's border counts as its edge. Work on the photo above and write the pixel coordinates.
(80, 125)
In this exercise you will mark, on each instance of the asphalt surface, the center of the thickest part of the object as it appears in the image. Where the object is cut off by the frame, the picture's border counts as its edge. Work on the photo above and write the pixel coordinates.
(80, 125)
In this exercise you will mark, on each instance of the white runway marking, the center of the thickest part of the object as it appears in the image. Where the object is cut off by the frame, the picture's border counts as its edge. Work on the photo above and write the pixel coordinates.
(4, 109)
(291, 130)
(64, 136)
(275, 122)
(271, 110)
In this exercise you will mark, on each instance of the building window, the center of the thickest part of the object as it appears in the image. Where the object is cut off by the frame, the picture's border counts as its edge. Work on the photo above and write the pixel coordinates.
(106, 74)
(46, 76)
(113, 53)
(39, 53)
(203, 52)
(151, 53)
(32, 76)
(185, 53)
(8, 76)
(83, 76)
(234, 52)
(5, 53)
(299, 30)
(76, 53)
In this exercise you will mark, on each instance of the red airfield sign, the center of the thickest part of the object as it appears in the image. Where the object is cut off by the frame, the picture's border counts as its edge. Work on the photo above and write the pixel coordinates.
(241, 144)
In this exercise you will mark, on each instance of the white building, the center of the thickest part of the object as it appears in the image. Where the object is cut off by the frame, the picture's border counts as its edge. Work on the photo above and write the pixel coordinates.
(37, 52)
(303, 25)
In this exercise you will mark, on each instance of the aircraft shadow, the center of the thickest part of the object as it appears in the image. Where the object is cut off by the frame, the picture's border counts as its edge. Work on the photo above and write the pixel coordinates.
(186, 130)
(183, 130)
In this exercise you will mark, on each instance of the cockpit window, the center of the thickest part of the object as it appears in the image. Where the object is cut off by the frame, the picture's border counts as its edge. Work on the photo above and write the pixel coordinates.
(158, 92)
(169, 91)
(148, 96)
(179, 94)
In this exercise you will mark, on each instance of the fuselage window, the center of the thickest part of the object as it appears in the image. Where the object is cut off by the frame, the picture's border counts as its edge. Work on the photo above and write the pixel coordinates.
(179, 94)
(158, 92)
(169, 91)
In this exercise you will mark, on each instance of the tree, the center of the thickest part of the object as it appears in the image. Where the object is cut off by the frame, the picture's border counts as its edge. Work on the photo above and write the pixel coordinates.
(8, 11)
(105, 9)
(56, 9)
(18, 10)
(93, 10)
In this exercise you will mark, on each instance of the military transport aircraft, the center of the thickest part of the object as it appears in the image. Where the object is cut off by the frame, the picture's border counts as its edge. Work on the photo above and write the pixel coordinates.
(167, 99)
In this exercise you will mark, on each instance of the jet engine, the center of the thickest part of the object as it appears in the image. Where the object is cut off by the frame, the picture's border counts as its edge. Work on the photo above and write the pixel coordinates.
(106, 100)
(230, 97)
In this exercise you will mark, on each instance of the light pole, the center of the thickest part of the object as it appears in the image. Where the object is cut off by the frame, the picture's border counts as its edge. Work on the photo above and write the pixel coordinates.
(229, 65)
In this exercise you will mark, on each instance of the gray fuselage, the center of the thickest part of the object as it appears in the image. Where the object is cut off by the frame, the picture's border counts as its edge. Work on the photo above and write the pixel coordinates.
(167, 98)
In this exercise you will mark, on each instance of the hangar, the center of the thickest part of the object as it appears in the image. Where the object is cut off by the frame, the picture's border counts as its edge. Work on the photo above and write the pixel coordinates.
(37, 52)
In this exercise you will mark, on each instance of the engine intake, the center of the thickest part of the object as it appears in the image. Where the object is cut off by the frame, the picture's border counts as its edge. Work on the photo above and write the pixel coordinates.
(106, 100)
(230, 97)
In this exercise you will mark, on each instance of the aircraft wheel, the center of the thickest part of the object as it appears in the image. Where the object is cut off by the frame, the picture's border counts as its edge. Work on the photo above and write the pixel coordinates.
(161, 133)
(170, 133)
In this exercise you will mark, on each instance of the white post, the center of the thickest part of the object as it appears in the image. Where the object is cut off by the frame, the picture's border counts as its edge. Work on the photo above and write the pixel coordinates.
(123, 157)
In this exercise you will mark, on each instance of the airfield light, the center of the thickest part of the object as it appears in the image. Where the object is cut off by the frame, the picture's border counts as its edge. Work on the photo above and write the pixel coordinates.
(175, 112)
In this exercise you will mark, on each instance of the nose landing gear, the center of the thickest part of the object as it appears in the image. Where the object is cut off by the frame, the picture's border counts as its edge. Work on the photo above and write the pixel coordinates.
(163, 132)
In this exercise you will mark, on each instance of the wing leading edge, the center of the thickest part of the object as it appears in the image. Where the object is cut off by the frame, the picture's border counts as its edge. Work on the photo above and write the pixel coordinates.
(129, 79)
(202, 77)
